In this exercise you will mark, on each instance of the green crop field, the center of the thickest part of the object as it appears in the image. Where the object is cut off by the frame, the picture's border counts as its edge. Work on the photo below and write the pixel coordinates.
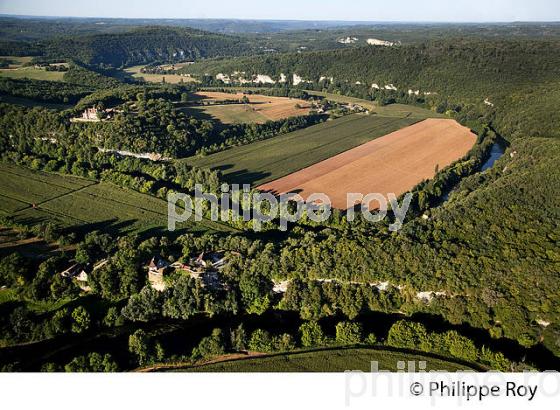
(273, 158)
(71, 201)
(328, 361)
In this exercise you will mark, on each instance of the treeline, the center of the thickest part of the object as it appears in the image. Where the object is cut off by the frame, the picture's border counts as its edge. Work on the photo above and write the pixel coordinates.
(433, 192)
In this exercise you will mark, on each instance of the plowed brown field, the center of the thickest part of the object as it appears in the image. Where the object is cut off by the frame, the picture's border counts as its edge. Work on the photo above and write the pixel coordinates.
(394, 163)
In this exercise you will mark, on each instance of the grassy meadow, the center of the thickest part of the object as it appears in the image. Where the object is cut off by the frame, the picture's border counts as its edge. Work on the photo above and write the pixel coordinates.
(226, 114)
(32, 73)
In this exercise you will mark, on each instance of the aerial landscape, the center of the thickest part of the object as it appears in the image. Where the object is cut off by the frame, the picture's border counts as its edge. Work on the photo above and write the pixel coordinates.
(437, 145)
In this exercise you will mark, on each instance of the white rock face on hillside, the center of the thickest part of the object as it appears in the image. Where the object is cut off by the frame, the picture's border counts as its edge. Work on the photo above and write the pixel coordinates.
(348, 40)
(376, 86)
(298, 80)
(223, 77)
(283, 78)
(377, 42)
(391, 87)
(263, 79)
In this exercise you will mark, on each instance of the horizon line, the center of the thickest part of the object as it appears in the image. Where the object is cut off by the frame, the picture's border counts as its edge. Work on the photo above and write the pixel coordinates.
(286, 20)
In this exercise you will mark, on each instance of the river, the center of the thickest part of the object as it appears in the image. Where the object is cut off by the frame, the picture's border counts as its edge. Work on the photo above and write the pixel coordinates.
(498, 149)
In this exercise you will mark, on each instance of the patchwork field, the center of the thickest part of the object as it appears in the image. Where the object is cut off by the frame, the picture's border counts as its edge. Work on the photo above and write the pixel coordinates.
(260, 108)
(158, 78)
(32, 73)
(394, 163)
(273, 158)
(328, 361)
(32, 197)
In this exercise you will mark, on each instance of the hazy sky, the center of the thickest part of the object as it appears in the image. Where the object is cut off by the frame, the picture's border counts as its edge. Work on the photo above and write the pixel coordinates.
(356, 10)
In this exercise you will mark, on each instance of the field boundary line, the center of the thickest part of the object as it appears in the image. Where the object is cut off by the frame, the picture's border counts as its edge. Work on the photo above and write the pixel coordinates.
(45, 182)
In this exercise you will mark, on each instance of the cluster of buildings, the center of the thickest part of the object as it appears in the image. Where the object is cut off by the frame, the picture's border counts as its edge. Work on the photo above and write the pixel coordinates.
(205, 267)
(94, 114)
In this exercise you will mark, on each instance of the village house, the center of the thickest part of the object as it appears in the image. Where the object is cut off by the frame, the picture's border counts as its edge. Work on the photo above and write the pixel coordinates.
(157, 269)
(80, 273)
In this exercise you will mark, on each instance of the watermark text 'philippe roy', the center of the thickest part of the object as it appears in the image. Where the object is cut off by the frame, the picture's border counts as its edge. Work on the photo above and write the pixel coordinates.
(235, 204)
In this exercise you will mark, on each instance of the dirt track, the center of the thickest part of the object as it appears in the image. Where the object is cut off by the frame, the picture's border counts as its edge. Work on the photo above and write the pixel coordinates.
(393, 163)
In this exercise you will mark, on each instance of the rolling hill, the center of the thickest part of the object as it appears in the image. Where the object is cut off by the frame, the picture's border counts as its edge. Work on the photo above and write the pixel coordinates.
(136, 46)
(512, 76)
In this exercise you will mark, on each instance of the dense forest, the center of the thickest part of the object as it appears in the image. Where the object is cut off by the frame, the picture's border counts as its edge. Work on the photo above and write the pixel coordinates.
(44, 90)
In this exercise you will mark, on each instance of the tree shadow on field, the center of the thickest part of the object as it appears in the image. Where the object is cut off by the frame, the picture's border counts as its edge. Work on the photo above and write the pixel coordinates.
(112, 226)
(223, 168)
(198, 113)
(277, 194)
(245, 176)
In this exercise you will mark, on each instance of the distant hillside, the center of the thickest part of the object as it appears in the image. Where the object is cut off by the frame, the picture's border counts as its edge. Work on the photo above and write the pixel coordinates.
(144, 45)
(514, 77)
